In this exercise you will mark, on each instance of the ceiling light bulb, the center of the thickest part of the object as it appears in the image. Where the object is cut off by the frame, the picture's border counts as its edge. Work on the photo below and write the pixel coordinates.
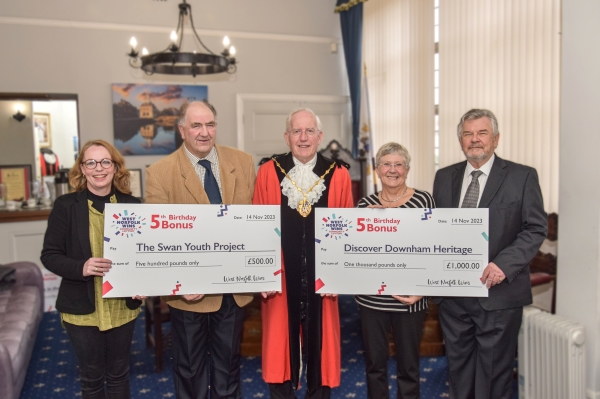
(173, 36)
(226, 41)
(145, 51)
(232, 51)
(133, 42)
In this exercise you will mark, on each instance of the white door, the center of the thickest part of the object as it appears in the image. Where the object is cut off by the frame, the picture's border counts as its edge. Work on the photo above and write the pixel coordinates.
(261, 121)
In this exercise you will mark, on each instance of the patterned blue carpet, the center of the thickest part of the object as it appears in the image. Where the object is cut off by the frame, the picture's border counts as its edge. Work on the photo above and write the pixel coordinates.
(53, 372)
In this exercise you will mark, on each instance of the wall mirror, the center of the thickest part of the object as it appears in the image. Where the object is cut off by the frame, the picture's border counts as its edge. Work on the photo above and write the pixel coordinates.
(47, 138)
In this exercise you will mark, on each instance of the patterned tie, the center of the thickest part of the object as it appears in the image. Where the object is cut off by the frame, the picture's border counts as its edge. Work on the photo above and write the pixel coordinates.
(210, 183)
(472, 194)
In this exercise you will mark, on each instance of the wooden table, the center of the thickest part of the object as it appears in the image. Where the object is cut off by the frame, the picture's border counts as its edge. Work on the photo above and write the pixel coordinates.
(24, 215)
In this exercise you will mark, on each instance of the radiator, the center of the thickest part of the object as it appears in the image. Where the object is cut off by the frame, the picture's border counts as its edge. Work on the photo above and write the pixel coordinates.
(551, 357)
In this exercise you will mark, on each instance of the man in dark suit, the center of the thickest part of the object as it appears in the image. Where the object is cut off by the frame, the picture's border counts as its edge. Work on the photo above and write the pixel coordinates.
(481, 333)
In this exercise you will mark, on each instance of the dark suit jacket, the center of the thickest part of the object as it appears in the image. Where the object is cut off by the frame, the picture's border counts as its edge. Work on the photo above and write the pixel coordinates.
(517, 224)
(67, 248)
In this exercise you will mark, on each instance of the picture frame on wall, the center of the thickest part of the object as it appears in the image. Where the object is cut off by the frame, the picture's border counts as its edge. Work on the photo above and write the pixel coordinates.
(135, 182)
(43, 129)
(16, 178)
(145, 116)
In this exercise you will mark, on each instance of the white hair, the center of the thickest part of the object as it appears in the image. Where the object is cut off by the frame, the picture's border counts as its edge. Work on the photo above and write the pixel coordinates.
(477, 114)
(288, 120)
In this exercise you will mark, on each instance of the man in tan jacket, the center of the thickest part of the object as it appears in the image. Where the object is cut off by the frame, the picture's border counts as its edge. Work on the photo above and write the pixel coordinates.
(201, 172)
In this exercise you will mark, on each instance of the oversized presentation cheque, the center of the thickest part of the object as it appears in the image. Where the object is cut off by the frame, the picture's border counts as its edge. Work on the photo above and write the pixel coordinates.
(191, 249)
(433, 252)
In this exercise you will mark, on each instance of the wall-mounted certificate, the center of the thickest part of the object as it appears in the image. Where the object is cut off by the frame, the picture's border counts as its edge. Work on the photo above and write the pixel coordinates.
(433, 252)
(191, 249)
(16, 178)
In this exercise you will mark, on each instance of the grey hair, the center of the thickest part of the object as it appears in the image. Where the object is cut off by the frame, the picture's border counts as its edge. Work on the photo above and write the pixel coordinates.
(186, 105)
(393, 148)
(288, 120)
(476, 114)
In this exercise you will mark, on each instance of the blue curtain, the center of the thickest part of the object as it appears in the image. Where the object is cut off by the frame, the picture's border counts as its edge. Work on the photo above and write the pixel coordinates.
(351, 20)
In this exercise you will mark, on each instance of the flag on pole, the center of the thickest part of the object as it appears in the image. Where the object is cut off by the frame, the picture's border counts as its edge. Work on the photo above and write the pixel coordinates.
(365, 138)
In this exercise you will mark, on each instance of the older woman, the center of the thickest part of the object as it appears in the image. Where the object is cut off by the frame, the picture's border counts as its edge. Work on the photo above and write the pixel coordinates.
(404, 314)
(100, 329)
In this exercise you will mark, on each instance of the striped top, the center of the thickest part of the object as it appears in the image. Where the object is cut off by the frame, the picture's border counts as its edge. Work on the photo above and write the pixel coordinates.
(387, 303)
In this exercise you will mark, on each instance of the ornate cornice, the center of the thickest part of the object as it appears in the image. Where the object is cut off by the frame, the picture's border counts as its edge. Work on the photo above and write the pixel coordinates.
(347, 6)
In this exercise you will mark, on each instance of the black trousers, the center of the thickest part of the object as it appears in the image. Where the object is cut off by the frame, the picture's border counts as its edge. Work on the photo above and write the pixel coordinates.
(103, 356)
(407, 330)
(285, 390)
(481, 347)
(195, 336)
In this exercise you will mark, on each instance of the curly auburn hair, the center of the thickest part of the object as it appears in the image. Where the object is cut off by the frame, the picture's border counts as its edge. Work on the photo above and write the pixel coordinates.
(120, 182)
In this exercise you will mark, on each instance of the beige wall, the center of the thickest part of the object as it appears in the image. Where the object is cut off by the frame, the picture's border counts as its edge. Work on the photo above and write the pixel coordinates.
(578, 291)
(16, 138)
(79, 47)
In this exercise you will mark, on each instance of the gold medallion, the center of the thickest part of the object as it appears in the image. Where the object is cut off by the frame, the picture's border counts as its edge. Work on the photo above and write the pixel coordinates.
(304, 207)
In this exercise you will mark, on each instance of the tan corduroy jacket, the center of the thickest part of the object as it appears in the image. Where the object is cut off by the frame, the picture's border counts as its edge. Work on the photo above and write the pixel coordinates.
(173, 180)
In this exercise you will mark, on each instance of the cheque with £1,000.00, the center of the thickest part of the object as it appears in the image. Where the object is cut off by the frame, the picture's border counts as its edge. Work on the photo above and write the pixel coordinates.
(191, 249)
(396, 251)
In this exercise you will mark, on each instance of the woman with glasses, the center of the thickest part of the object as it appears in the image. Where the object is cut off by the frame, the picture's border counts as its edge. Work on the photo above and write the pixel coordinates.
(99, 329)
(404, 315)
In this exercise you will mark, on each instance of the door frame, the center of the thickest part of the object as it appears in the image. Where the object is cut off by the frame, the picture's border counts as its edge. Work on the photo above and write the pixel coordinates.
(243, 98)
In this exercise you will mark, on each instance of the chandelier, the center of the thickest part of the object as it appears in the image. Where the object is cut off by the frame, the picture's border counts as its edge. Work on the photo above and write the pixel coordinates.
(172, 61)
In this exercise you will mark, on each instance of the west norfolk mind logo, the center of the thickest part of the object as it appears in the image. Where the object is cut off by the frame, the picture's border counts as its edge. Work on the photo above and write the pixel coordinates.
(426, 213)
(336, 227)
(126, 224)
(222, 210)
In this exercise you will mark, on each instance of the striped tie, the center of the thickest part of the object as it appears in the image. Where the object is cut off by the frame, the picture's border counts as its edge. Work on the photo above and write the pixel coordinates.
(472, 194)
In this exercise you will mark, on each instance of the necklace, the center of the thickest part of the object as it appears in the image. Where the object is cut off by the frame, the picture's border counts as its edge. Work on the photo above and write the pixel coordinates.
(394, 200)
(304, 207)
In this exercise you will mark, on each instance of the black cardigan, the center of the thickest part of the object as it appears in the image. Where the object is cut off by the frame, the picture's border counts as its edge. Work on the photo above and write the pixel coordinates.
(67, 248)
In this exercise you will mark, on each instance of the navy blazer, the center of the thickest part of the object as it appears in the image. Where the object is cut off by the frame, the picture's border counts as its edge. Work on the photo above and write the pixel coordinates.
(67, 248)
(517, 224)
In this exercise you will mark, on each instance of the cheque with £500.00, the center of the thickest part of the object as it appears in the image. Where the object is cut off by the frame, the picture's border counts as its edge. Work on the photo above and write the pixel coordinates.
(191, 249)
(395, 251)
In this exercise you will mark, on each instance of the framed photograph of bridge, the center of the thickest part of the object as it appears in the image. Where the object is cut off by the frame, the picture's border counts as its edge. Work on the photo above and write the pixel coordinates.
(145, 116)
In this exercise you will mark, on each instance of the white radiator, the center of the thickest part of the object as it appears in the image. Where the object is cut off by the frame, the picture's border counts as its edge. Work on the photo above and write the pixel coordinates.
(551, 357)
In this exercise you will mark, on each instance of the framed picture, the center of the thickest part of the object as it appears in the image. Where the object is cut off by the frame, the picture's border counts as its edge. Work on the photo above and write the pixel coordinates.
(41, 126)
(135, 182)
(145, 116)
(16, 178)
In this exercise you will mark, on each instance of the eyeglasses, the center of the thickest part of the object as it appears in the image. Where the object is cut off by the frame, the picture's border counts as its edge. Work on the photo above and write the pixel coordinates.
(388, 166)
(91, 163)
(309, 132)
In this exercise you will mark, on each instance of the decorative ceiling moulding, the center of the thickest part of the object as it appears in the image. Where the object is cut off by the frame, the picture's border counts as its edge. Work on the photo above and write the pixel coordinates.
(162, 30)
(346, 6)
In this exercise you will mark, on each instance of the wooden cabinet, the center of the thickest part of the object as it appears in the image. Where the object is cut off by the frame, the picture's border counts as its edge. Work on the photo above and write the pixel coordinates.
(21, 239)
